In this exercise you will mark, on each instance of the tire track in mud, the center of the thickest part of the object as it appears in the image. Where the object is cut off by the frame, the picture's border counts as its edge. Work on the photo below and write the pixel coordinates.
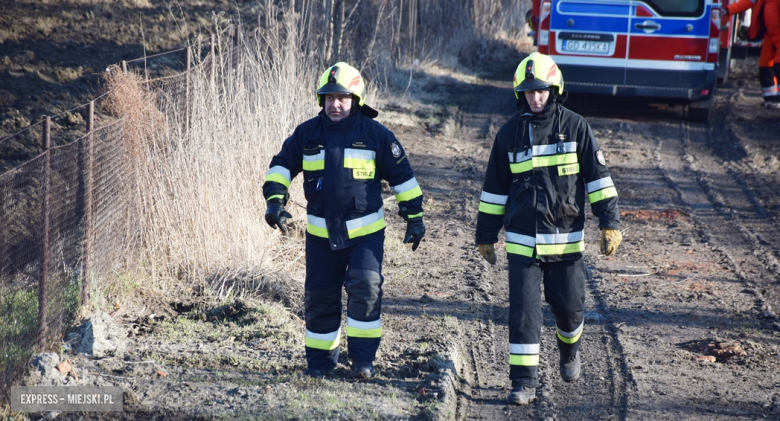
(601, 392)
(731, 216)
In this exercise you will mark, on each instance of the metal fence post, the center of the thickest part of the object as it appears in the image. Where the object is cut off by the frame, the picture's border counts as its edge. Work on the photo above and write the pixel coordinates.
(44, 272)
(124, 66)
(86, 282)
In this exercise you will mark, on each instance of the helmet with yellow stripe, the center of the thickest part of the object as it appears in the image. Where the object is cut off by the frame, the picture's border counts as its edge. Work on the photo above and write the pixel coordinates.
(538, 71)
(341, 78)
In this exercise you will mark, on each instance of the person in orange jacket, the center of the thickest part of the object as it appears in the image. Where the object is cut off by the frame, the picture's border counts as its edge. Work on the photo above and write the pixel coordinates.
(765, 23)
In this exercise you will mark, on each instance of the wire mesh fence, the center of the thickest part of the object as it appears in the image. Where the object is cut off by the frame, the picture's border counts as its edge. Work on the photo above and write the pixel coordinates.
(65, 223)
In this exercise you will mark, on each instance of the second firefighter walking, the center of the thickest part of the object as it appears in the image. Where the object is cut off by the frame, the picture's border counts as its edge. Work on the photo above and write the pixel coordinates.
(544, 164)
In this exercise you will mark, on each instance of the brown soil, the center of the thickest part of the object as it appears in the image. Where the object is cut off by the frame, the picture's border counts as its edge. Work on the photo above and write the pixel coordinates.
(681, 324)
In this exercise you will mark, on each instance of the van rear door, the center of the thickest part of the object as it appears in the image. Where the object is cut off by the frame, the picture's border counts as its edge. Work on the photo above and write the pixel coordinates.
(589, 40)
(668, 43)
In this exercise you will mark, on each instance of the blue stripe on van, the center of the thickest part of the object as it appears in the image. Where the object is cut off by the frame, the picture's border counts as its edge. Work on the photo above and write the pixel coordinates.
(603, 24)
(593, 9)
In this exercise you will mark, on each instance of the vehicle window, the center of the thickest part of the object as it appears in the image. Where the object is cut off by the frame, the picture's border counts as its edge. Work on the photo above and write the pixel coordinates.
(677, 7)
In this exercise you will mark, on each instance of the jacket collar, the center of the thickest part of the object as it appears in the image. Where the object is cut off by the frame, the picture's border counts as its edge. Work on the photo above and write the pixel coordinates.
(547, 113)
(342, 125)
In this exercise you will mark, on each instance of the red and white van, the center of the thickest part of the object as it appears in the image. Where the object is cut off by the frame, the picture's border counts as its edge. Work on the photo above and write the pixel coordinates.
(669, 49)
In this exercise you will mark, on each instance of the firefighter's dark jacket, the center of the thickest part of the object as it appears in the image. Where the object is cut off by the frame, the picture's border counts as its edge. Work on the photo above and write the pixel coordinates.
(542, 168)
(343, 164)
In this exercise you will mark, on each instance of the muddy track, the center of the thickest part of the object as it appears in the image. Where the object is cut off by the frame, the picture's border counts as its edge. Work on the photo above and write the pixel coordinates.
(739, 210)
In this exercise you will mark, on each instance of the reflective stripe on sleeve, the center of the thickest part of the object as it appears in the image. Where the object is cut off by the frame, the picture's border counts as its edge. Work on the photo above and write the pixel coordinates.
(495, 199)
(601, 189)
(358, 329)
(520, 244)
(324, 341)
(407, 190)
(279, 174)
(316, 226)
(570, 337)
(365, 225)
(493, 204)
(314, 162)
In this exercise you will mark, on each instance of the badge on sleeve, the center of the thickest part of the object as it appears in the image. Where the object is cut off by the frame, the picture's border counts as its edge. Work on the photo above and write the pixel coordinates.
(395, 149)
(600, 157)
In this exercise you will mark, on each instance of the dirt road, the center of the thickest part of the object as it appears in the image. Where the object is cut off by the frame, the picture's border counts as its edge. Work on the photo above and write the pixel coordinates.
(681, 324)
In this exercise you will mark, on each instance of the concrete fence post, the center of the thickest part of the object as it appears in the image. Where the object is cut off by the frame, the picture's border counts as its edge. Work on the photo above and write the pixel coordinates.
(89, 235)
(44, 269)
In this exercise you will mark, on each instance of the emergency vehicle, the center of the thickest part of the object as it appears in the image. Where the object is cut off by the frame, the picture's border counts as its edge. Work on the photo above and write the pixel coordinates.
(675, 50)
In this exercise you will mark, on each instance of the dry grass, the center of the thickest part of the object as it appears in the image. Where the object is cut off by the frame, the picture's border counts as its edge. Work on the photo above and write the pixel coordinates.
(198, 187)
(198, 171)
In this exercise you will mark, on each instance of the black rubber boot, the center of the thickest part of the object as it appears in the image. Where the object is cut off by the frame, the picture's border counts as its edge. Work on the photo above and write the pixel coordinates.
(316, 372)
(570, 367)
(363, 369)
(521, 395)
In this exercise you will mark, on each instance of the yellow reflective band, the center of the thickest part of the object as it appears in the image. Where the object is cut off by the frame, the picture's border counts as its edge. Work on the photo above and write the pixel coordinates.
(520, 249)
(368, 229)
(278, 178)
(416, 215)
(356, 332)
(526, 360)
(276, 196)
(492, 209)
(559, 249)
(571, 340)
(322, 344)
(409, 194)
(364, 164)
(314, 165)
(317, 231)
(521, 166)
(602, 194)
(570, 169)
(553, 160)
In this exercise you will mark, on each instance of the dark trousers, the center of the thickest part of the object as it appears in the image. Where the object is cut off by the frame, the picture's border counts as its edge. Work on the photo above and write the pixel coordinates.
(357, 270)
(564, 290)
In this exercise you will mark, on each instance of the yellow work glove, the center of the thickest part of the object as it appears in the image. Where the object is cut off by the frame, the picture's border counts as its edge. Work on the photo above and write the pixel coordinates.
(610, 240)
(488, 253)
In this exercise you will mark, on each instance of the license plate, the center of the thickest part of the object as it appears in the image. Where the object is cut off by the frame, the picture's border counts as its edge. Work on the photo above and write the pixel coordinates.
(578, 46)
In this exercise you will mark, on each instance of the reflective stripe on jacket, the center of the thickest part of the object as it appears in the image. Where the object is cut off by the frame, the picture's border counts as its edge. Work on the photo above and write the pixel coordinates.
(541, 170)
(343, 164)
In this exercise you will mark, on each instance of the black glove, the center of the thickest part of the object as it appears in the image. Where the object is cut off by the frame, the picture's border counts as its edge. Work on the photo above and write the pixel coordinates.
(276, 216)
(415, 231)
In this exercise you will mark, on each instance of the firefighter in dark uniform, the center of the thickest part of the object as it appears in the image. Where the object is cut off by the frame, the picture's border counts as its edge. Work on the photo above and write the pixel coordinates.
(344, 154)
(544, 164)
